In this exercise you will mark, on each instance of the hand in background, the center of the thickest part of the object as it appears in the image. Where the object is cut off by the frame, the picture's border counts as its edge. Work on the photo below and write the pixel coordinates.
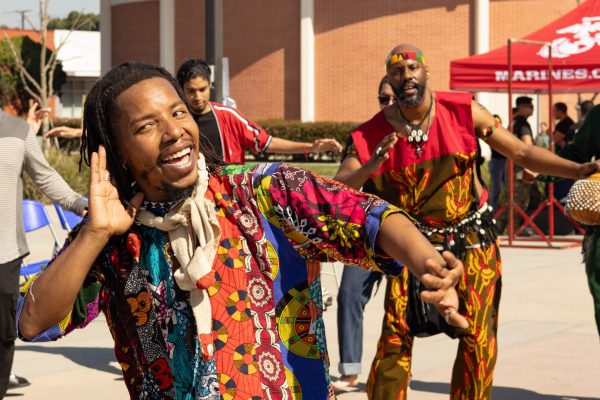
(35, 116)
(322, 145)
(64, 132)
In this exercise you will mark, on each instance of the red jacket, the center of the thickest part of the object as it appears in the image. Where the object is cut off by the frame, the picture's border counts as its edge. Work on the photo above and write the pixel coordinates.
(238, 133)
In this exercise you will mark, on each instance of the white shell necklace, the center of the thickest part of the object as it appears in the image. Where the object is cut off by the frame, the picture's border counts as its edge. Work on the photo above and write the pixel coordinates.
(416, 135)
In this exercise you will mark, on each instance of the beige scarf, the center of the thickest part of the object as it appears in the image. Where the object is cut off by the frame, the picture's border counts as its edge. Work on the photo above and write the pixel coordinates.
(194, 234)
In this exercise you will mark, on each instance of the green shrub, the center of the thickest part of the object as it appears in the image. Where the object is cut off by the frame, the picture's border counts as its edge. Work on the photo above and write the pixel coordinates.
(306, 132)
(67, 165)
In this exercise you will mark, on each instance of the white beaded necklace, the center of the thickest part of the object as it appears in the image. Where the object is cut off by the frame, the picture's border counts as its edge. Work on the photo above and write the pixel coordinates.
(416, 136)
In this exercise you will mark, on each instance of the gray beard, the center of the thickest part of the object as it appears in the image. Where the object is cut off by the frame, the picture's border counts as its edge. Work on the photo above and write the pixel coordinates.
(412, 101)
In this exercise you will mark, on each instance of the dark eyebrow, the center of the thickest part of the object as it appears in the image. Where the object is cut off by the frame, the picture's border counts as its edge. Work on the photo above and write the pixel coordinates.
(150, 115)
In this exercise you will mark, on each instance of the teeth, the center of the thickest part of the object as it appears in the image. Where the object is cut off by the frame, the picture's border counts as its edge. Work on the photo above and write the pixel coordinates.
(178, 154)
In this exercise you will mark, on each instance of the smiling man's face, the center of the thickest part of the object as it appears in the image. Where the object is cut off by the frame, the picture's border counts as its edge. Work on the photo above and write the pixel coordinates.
(157, 139)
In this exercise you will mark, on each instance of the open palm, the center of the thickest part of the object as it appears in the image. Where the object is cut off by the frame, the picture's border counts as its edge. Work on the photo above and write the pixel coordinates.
(107, 213)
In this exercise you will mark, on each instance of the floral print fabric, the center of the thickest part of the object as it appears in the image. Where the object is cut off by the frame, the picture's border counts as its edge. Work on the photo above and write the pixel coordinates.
(277, 221)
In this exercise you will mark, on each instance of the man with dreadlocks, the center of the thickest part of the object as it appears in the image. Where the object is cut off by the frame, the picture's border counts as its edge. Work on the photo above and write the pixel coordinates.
(419, 154)
(209, 294)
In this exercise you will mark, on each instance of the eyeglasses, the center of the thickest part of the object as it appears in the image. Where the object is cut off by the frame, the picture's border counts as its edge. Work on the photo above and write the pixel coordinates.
(384, 99)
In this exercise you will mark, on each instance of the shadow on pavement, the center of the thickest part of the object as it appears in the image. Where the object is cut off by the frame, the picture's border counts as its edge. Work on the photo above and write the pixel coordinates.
(96, 358)
(500, 392)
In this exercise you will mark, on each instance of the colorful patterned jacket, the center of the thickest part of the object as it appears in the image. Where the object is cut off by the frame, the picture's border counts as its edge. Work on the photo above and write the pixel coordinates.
(276, 221)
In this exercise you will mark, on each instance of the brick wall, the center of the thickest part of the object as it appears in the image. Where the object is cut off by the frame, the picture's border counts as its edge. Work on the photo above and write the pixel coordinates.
(352, 39)
(135, 32)
(262, 41)
(189, 30)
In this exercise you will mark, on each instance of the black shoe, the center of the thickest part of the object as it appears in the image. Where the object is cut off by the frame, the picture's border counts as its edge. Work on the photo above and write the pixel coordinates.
(15, 382)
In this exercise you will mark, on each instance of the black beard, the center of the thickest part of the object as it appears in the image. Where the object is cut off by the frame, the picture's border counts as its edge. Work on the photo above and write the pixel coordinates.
(410, 101)
(179, 193)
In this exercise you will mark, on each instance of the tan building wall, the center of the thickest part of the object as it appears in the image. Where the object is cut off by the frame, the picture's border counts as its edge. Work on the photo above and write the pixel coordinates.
(352, 39)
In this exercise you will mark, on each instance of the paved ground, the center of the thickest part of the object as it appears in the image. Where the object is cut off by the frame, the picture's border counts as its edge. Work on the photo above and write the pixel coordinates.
(548, 344)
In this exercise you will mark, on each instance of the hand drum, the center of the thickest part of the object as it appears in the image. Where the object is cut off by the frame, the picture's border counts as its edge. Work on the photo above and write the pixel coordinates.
(583, 200)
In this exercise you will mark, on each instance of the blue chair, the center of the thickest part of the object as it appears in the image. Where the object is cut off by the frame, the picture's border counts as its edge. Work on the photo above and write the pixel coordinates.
(68, 220)
(36, 217)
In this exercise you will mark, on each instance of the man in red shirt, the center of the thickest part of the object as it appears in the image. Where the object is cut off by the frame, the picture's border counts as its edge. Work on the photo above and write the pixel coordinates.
(228, 130)
(419, 154)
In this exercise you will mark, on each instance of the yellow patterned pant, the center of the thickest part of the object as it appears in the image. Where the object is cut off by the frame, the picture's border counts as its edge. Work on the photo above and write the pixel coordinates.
(472, 375)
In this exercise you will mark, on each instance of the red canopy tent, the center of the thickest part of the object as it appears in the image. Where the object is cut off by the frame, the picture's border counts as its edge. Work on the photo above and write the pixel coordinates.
(575, 39)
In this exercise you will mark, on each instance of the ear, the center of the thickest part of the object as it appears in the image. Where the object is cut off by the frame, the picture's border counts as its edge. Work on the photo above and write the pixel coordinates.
(427, 74)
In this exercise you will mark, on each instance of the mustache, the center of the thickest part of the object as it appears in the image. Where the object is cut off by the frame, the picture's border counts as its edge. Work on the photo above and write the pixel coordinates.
(410, 101)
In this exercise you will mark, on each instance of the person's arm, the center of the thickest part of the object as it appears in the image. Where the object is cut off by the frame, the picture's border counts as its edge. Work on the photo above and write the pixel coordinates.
(559, 138)
(524, 154)
(64, 132)
(352, 227)
(52, 296)
(284, 146)
(352, 173)
(48, 180)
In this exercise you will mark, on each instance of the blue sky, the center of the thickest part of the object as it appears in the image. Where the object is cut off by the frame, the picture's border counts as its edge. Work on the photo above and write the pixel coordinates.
(56, 8)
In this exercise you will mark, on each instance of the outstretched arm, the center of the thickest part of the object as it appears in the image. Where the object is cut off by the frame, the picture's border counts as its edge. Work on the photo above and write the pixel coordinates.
(524, 154)
(64, 132)
(285, 146)
(401, 240)
(52, 296)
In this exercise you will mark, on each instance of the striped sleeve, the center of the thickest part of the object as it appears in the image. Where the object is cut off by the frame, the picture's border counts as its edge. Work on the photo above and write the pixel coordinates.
(48, 180)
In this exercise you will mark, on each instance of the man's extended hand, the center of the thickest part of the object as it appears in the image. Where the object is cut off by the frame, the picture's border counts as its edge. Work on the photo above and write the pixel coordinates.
(322, 145)
(587, 169)
(380, 155)
(64, 132)
(441, 281)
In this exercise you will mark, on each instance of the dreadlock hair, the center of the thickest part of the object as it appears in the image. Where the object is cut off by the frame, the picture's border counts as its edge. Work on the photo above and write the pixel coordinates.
(99, 111)
(191, 69)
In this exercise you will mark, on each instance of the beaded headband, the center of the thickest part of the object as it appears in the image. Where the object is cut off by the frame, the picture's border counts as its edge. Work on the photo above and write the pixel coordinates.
(393, 58)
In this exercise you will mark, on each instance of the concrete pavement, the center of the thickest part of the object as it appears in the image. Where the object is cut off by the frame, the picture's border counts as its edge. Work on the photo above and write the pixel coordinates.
(548, 345)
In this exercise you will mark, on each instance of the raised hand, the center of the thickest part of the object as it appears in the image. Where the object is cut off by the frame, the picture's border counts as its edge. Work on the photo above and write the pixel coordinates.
(381, 153)
(322, 145)
(441, 282)
(35, 116)
(107, 214)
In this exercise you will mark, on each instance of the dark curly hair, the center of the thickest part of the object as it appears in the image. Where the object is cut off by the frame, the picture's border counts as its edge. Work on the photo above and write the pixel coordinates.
(191, 69)
(99, 110)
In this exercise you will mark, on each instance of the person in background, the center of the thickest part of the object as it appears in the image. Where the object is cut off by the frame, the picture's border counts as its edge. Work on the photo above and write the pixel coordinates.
(562, 134)
(585, 147)
(497, 173)
(227, 129)
(584, 107)
(354, 294)
(543, 137)
(522, 189)
(20, 152)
